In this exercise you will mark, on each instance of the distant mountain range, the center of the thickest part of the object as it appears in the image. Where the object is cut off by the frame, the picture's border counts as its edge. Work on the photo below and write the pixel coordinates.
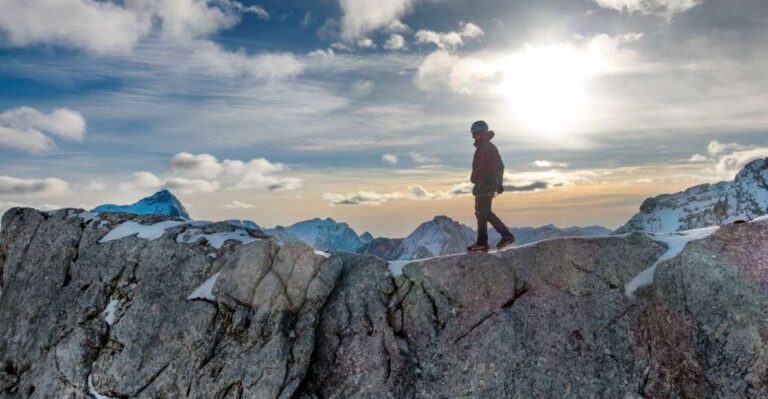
(745, 198)
(706, 205)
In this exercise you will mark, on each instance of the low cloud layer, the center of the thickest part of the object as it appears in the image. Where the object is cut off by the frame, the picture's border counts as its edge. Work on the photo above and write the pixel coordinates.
(664, 8)
(50, 186)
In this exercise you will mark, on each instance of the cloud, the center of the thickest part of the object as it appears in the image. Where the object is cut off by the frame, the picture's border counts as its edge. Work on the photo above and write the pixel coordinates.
(534, 186)
(395, 42)
(422, 159)
(99, 27)
(391, 159)
(549, 164)
(118, 27)
(210, 57)
(361, 198)
(188, 186)
(239, 205)
(422, 194)
(205, 173)
(696, 158)
(142, 181)
(716, 148)
(363, 87)
(442, 70)
(664, 8)
(450, 40)
(50, 186)
(366, 43)
(320, 53)
(363, 16)
(25, 128)
(730, 164)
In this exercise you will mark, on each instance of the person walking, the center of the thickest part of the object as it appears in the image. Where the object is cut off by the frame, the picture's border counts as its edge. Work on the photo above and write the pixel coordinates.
(487, 177)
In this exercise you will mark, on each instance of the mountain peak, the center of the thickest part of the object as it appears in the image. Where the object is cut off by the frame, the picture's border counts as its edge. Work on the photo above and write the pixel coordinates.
(162, 202)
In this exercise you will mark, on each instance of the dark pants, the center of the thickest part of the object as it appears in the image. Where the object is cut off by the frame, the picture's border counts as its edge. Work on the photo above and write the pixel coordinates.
(484, 215)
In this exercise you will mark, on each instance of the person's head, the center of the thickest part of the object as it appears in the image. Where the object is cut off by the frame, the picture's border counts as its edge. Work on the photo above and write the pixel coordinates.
(478, 129)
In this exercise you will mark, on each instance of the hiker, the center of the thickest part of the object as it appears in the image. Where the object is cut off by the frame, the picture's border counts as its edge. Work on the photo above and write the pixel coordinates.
(487, 177)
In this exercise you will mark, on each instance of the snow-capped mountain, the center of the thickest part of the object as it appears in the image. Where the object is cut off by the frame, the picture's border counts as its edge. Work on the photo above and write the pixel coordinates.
(706, 205)
(439, 236)
(524, 235)
(443, 236)
(160, 203)
(325, 235)
(243, 223)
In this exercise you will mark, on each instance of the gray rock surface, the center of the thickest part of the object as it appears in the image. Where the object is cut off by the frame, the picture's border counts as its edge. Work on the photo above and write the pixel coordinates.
(79, 318)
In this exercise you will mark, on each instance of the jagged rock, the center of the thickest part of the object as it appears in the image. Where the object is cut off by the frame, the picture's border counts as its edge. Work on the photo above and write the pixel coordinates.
(203, 311)
(744, 198)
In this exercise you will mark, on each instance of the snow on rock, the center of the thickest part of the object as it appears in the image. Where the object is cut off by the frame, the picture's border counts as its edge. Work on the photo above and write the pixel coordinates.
(396, 266)
(205, 291)
(147, 232)
(215, 240)
(675, 242)
(744, 198)
(110, 312)
(92, 389)
(323, 254)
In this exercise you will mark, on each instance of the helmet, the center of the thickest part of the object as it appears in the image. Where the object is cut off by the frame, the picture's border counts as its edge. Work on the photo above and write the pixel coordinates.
(479, 127)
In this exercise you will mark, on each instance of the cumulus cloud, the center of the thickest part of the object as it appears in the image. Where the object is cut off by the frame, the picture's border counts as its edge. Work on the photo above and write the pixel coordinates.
(366, 43)
(730, 164)
(665, 8)
(423, 159)
(727, 159)
(28, 129)
(395, 42)
(363, 16)
(549, 164)
(449, 40)
(94, 26)
(361, 198)
(228, 174)
(239, 205)
(50, 186)
(716, 148)
(118, 27)
(188, 186)
(442, 70)
(391, 159)
(142, 181)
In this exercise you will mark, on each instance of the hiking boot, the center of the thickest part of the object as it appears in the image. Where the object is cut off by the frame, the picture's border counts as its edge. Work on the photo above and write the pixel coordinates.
(505, 242)
(477, 248)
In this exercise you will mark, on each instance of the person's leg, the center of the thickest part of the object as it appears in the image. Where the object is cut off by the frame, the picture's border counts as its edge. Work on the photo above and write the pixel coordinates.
(482, 209)
(496, 222)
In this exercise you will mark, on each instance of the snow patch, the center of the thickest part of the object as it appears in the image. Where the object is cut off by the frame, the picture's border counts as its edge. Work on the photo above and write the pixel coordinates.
(396, 266)
(216, 240)
(326, 255)
(92, 390)
(110, 312)
(675, 242)
(147, 232)
(761, 219)
(205, 291)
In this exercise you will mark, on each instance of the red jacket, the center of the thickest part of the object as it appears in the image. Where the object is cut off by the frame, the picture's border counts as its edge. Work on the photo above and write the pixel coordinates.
(487, 160)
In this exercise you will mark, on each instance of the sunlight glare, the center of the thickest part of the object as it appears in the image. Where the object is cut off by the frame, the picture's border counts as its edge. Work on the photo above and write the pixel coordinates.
(546, 86)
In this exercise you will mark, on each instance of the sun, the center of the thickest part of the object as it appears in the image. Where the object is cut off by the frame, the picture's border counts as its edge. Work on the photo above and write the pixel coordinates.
(546, 86)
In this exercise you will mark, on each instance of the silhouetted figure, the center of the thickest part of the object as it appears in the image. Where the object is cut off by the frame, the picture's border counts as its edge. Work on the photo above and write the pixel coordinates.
(487, 177)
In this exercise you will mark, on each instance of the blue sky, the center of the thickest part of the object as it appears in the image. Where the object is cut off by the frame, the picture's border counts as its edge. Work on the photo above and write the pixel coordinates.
(280, 111)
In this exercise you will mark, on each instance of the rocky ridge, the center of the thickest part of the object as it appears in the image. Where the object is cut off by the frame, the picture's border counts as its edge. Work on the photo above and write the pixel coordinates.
(744, 198)
(172, 308)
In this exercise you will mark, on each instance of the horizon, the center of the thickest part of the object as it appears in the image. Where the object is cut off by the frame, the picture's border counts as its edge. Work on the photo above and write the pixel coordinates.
(359, 110)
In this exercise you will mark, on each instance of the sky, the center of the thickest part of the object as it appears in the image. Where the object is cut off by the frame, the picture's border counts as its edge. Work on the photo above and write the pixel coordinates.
(359, 110)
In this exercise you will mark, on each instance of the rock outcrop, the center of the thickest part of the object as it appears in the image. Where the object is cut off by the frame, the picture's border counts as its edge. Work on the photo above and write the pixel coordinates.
(744, 198)
(170, 309)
